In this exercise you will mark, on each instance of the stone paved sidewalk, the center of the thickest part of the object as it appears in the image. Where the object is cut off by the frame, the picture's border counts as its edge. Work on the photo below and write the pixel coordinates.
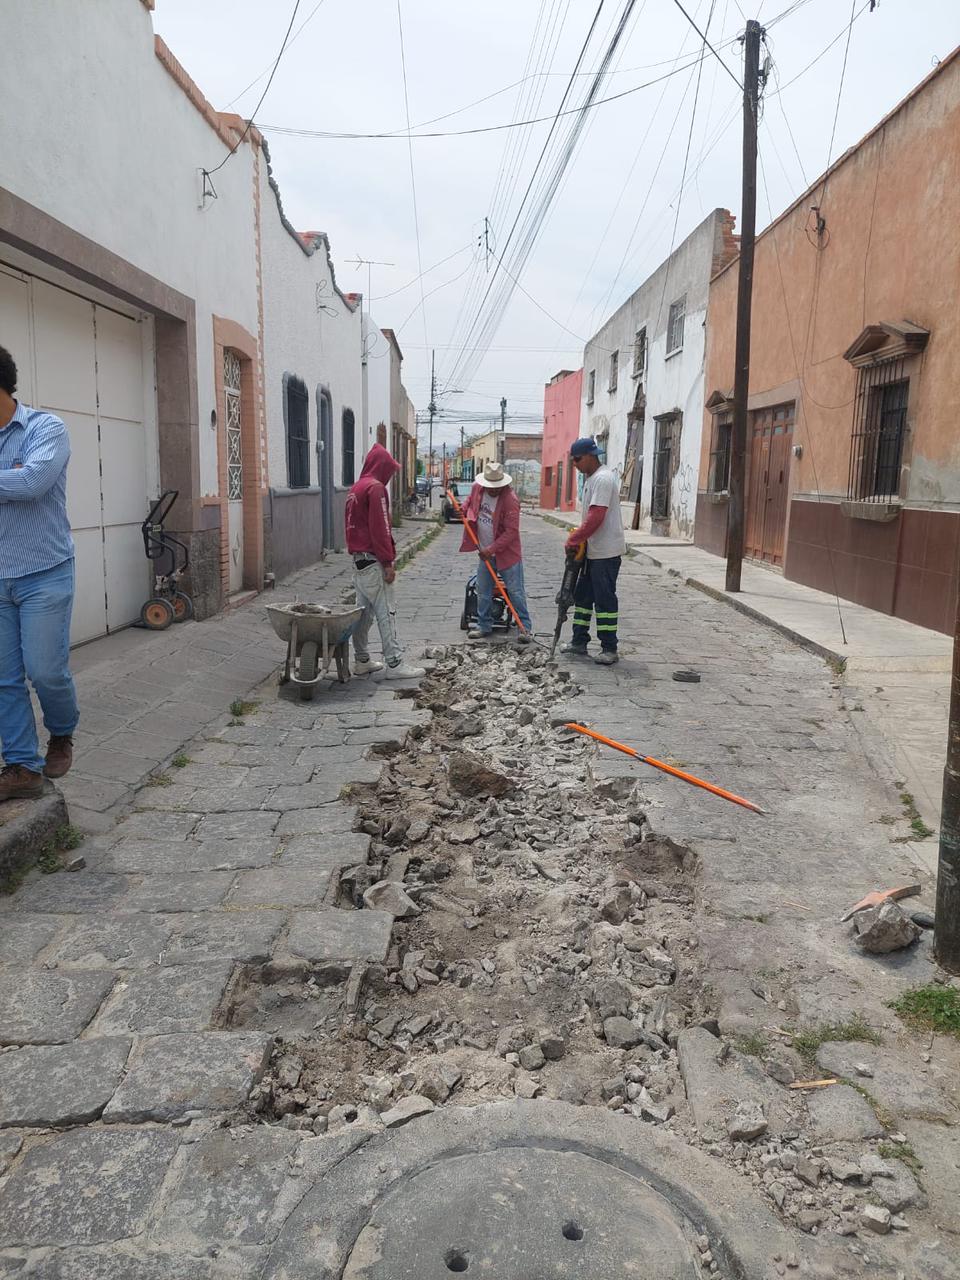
(142, 693)
(117, 983)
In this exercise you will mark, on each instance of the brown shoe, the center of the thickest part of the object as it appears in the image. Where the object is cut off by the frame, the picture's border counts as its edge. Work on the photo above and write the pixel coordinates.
(59, 756)
(18, 783)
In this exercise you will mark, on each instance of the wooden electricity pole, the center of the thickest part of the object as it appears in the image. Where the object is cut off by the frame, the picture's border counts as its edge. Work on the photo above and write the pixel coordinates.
(741, 380)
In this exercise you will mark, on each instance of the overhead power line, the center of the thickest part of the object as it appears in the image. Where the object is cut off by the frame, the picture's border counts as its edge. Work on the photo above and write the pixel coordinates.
(256, 80)
(707, 42)
(233, 150)
(413, 179)
(399, 135)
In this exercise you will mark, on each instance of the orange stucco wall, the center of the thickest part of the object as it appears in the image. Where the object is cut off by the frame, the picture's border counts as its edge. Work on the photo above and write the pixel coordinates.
(891, 252)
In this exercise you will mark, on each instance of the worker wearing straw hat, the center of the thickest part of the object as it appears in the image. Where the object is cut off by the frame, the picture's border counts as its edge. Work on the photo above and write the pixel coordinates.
(493, 512)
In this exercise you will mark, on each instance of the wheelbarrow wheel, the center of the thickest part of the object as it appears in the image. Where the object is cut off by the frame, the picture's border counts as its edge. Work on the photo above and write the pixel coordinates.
(157, 614)
(182, 607)
(309, 654)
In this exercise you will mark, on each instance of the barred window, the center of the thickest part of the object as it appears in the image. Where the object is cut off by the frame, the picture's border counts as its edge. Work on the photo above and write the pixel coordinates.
(591, 385)
(349, 448)
(614, 371)
(678, 313)
(879, 428)
(296, 414)
(640, 353)
(719, 478)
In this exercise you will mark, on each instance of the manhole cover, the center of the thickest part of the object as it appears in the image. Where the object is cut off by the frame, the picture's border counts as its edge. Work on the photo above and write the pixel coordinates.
(524, 1214)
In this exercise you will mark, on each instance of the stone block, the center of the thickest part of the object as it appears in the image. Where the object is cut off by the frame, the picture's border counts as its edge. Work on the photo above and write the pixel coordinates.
(165, 1001)
(841, 1114)
(147, 826)
(281, 886)
(23, 936)
(208, 800)
(343, 850)
(895, 1083)
(130, 1260)
(144, 856)
(328, 819)
(48, 1008)
(74, 894)
(340, 935)
(229, 1188)
(241, 824)
(717, 1086)
(184, 891)
(169, 1075)
(88, 1186)
(26, 826)
(205, 936)
(113, 942)
(59, 1084)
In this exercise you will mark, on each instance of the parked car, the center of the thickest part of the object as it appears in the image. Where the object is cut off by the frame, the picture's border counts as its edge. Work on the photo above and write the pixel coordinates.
(462, 490)
(423, 486)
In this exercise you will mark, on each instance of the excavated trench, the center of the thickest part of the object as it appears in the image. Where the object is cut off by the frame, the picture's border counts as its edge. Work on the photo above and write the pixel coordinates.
(535, 907)
(545, 946)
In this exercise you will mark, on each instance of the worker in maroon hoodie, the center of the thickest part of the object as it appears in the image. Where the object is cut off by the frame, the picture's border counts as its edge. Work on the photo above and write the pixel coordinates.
(370, 542)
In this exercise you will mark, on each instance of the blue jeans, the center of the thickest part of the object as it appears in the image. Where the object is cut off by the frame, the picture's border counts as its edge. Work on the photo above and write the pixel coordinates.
(35, 645)
(597, 593)
(376, 598)
(512, 579)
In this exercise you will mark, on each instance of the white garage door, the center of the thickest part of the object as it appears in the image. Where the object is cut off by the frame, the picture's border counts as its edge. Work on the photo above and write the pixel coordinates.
(85, 362)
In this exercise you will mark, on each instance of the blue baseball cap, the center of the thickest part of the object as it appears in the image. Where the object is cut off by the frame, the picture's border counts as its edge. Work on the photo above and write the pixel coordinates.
(584, 446)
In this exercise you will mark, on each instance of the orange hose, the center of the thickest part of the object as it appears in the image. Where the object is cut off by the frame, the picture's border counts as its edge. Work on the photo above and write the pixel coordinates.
(667, 768)
(493, 573)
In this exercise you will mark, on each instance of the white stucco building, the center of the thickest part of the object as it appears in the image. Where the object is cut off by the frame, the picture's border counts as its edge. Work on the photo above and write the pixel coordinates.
(643, 382)
(154, 295)
(313, 388)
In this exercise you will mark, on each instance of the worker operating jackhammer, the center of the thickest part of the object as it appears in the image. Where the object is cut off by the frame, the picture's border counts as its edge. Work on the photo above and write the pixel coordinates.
(601, 529)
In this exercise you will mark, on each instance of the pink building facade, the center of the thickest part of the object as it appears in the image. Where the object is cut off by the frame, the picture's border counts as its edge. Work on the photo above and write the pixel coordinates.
(561, 426)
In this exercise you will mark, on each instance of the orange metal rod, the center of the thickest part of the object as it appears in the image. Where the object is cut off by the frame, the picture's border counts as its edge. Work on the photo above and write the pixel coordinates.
(493, 573)
(667, 768)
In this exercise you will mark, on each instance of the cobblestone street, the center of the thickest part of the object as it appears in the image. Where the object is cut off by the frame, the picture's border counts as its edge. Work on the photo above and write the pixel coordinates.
(133, 1130)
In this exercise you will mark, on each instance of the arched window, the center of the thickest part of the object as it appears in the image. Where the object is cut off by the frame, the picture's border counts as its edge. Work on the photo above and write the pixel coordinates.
(349, 449)
(296, 419)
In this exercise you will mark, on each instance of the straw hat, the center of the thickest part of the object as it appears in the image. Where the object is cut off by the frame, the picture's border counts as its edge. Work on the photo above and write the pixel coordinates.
(494, 476)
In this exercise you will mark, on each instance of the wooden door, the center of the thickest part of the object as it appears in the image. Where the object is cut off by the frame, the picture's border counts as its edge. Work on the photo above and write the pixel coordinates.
(771, 444)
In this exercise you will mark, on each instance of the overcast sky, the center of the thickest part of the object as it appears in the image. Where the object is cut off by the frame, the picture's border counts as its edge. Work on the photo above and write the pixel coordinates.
(613, 218)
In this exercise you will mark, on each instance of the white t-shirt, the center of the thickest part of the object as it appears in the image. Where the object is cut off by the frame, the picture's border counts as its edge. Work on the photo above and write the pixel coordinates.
(602, 489)
(485, 520)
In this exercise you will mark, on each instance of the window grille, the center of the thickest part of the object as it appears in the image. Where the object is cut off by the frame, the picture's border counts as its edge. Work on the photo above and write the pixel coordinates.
(678, 313)
(879, 427)
(297, 417)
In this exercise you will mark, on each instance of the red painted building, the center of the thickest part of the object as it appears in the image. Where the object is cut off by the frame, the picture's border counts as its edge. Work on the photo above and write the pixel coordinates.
(561, 426)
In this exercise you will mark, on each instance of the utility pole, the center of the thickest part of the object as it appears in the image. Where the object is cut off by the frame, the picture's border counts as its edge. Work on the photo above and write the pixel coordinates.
(503, 430)
(946, 933)
(741, 377)
(432, 407)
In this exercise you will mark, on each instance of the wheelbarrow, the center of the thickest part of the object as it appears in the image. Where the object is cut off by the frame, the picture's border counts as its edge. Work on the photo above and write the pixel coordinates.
(316, 635)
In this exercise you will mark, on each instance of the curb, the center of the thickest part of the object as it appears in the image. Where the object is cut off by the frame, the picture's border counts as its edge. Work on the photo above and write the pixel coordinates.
(27, 825)
(418, 544)
(829, 655)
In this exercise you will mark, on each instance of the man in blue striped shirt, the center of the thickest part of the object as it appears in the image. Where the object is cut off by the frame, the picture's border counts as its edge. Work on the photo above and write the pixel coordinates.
(36, 592)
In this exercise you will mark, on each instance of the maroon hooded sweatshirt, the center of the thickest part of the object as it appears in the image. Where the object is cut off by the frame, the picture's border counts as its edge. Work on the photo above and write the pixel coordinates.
(368, 508)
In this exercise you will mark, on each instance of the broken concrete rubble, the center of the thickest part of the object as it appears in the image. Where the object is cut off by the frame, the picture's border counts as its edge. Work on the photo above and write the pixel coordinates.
(389, 896)
(886, 928)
